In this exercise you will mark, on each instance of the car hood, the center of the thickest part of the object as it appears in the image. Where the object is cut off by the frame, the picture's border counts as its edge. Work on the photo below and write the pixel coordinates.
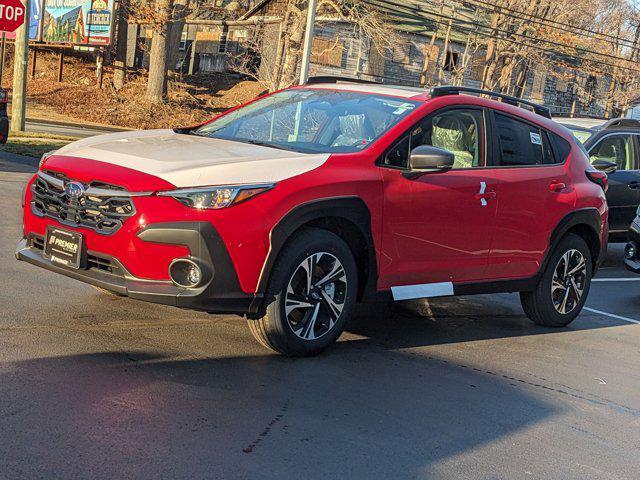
(190, 161)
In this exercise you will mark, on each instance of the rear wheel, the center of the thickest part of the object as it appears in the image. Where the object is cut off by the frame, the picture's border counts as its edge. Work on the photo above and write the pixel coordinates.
(314, 283)
(564, 286)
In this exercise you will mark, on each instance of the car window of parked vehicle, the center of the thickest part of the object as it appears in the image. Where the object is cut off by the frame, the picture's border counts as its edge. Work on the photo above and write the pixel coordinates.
(312, 120)
(582, 135)
(615, 148)
(460, 131)
(562, 148)
(521, 144)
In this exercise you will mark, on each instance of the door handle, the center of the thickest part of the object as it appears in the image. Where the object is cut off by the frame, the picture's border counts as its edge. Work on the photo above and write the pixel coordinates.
(483, 195)
(556, 186)
(634, 185)
(486, 196)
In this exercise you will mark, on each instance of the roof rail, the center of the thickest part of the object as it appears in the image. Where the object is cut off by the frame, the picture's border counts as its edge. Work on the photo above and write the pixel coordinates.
(621, 123)
(515, 101)
(334, 79)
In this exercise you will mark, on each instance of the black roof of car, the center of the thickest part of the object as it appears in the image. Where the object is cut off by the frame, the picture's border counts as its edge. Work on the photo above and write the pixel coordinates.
(628, 125)
(622, 123)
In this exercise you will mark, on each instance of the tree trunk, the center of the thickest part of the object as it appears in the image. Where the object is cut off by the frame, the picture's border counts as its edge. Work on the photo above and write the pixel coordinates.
(445, 50)
(120, 63)
(158, 66)
(293, 50)
(427, 57)
(176, 28)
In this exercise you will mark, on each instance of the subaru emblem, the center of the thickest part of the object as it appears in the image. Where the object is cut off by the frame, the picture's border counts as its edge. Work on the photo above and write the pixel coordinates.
(74, 190)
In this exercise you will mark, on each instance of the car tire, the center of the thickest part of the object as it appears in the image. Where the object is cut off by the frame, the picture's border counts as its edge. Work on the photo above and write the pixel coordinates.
(308, 311)
(561, 293)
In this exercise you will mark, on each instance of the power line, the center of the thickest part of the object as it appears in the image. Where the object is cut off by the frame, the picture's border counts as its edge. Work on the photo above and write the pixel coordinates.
(423, 16)
(538, 21)
(566, 27)
(549, 42)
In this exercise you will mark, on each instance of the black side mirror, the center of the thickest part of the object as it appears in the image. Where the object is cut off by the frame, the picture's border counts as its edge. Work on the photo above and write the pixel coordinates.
(605, 166)
(427, 159)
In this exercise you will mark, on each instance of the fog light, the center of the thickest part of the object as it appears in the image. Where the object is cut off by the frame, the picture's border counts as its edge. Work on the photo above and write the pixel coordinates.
(630, 251)
(185, 273)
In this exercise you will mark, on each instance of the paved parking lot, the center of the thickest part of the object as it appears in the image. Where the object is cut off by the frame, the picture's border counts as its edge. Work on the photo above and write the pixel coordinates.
(95, 386)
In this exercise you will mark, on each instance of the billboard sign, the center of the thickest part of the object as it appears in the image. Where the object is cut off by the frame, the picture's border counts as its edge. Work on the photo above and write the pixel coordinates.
(82, 22)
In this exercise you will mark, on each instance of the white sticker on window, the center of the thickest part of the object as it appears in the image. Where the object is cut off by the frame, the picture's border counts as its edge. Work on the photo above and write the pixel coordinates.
(404, 108)
(535, 138)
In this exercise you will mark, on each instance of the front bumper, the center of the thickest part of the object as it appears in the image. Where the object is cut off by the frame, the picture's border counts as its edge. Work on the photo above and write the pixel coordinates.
(633, 264)
(219, 293)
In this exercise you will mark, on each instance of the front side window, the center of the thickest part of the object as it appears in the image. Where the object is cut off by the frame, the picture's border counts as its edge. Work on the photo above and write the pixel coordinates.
(521, 144)
(312, 120)
(617, 149)
(460, 131)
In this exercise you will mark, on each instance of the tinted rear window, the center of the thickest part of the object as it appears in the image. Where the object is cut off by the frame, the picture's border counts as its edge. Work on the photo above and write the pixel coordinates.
(562, 147)
(520, 143)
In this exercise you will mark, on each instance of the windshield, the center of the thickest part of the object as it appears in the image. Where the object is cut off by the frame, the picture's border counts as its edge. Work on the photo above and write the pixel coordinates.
(581, 134)
(312, 121)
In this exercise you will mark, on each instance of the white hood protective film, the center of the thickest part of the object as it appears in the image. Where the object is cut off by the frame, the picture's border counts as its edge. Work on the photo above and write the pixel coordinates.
(192, 161)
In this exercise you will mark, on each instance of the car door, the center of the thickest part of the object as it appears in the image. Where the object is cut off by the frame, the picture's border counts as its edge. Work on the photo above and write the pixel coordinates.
(534, 194)
(438, 227)
(623, 195)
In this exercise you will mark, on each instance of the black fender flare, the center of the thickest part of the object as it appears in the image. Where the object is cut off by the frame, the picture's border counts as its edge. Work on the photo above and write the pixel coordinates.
(350, 208)
(586, 216)
(589, 217)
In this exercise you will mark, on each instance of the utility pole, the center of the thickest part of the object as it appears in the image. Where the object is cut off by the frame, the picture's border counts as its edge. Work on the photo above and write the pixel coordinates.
(308, 41)
(3, 52)
(20, 62)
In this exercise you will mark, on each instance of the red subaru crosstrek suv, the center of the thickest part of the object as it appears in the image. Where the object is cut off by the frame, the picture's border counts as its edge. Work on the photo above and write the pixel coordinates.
(292, 208)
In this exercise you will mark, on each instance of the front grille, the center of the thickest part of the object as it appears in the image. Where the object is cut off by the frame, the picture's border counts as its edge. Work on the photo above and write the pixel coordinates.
(93, 261)
(37, 242)
(102, 213)
(103, 264)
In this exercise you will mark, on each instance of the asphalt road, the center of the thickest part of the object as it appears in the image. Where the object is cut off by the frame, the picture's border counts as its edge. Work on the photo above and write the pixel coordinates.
(100, 387)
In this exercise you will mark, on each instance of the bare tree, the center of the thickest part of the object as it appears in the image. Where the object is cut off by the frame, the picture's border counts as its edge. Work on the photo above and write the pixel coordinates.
(161, 16)
(361, 23)
(120, 62)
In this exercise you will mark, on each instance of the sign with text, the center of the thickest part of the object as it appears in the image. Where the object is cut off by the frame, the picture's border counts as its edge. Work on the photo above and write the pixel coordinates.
(83, 22)
(12, 15)
(34, 20)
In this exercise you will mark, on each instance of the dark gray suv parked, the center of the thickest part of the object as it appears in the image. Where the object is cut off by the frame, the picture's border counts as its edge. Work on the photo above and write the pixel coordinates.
(615, 149)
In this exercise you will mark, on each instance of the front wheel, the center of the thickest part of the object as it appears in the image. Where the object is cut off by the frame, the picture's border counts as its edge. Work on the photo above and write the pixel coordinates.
(314, 284)
(563, 288)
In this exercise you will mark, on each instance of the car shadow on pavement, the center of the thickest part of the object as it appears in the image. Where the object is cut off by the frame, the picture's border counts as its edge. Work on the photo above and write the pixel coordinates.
(144, 414)
(443, 321)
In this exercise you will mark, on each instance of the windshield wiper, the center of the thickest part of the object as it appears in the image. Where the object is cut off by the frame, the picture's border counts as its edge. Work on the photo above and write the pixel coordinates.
(266, 144)
(245, 140)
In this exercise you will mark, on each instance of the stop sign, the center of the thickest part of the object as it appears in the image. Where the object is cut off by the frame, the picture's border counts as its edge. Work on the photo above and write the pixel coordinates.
(12, 15)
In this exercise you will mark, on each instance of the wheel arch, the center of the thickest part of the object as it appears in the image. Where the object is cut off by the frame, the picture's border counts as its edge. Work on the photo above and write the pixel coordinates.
(348, 217)
(585, 223)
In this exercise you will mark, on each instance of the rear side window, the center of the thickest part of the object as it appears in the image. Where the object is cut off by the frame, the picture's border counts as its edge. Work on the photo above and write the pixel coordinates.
(521, 144)
(563, 148)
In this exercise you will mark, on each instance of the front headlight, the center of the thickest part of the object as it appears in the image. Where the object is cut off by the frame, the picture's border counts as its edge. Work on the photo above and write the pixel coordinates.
(215, 198)
(44, 158)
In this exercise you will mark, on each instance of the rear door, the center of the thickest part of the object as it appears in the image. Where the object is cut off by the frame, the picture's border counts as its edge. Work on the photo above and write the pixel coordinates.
(533, 191)
(623, 195)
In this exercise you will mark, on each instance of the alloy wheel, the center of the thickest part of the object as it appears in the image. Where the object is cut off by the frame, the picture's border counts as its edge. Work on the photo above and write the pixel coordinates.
(569, 281)
(316, 295)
